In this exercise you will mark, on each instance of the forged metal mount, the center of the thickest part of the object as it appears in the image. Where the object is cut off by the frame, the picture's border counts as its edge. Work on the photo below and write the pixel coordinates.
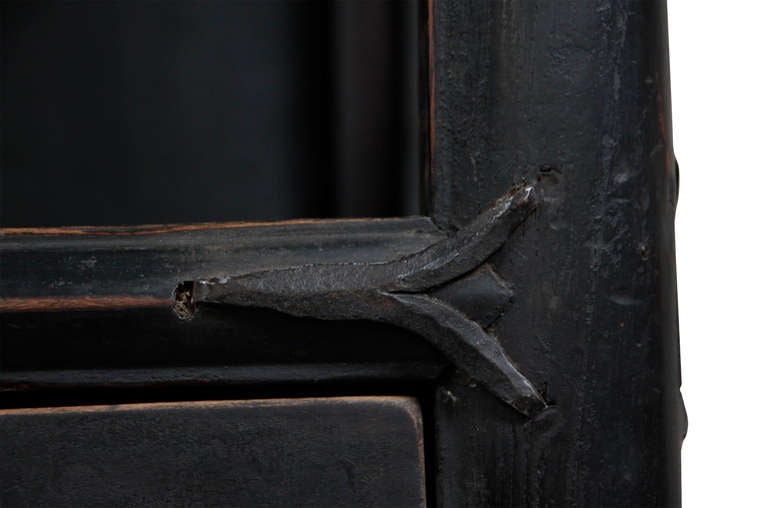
(419, 292)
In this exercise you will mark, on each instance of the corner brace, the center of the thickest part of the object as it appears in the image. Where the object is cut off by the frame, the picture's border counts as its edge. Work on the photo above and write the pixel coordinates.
(411, 292)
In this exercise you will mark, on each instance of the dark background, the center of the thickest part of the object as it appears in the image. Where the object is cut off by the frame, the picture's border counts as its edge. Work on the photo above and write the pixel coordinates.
(130, 112)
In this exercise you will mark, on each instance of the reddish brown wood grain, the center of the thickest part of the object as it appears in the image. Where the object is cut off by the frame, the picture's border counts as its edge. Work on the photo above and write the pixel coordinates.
(155, 229)
(61, 303)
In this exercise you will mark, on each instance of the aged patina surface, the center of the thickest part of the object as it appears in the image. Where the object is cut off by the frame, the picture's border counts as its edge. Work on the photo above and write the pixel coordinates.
(540, 342)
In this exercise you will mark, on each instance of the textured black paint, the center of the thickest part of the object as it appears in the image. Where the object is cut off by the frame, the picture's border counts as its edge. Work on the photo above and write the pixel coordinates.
(333, 452)
(43, 348)
(573, 96)
(570, 97)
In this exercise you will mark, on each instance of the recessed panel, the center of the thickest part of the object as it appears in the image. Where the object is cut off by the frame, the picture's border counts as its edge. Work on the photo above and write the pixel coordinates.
(146, 112)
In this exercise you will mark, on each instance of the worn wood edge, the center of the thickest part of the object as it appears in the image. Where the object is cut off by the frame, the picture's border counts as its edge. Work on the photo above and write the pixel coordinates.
(33, 380)
(73, 303)
(253, 235)
(156, 229)
(431, 92)
(408, 405)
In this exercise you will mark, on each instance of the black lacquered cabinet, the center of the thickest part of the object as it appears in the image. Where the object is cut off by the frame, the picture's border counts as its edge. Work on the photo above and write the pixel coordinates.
(509, 338)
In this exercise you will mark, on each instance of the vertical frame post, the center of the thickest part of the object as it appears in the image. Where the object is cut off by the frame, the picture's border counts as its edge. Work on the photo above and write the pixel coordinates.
(572, 96)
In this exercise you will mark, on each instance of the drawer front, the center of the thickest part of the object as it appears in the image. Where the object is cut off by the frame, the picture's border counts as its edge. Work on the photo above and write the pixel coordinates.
(342, 451)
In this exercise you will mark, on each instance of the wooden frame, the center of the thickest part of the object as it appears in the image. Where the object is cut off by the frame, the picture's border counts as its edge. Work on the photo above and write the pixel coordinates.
(542, 279)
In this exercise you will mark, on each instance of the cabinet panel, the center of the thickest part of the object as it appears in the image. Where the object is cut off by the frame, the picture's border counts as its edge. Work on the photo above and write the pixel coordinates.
(344, 451)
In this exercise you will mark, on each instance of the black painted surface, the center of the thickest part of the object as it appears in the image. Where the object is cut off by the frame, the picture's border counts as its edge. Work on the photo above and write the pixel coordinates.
(334, 452)
(150, 263)
(115, 325)
(572, 95)
(571, 98)
(143, 112)
(155, 337)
